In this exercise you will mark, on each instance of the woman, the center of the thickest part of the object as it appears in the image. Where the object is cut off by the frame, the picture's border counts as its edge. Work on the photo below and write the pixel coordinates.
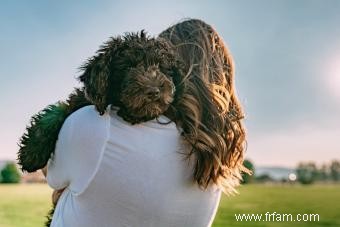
(155, 174)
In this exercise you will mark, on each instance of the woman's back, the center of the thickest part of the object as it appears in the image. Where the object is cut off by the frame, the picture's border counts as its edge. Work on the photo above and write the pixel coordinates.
(127, 176)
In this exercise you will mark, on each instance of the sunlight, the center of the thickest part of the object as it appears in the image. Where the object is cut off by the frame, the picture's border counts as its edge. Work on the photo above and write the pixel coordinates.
(334, 79)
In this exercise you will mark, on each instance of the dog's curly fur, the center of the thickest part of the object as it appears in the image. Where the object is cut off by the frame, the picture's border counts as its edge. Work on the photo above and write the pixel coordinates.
(136, 73)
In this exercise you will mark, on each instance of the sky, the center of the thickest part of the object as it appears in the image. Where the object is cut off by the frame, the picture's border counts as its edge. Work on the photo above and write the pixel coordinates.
(286, 52)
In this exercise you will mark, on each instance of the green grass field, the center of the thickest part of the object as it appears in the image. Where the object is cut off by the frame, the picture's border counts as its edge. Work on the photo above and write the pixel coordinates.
(26, 205)
(286, 199)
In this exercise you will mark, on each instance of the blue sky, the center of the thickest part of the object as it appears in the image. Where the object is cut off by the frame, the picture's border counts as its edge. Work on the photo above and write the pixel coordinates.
(287, 56)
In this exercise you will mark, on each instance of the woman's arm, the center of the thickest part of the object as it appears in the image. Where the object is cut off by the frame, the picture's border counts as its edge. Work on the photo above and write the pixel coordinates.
(44, 170)
(58, 168)
(56, 193)
(78, 148)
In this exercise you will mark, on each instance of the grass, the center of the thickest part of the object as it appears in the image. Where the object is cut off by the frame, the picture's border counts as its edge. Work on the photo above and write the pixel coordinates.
(286, 199)
(26, 205)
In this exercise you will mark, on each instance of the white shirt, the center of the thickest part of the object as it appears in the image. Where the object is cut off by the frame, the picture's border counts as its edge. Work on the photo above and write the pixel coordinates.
(119, 174)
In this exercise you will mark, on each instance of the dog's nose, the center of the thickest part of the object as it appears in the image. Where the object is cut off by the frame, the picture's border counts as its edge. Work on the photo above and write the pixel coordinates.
(153, 93)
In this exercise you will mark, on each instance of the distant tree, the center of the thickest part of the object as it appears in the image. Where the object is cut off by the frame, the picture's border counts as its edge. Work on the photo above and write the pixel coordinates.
(264, 178)
(247, 178)
(307, 173)
(335, 170)
(10, 174)
(323, 173)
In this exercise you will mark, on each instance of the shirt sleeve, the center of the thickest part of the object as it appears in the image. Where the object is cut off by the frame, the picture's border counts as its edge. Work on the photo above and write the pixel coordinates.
(80, 143)
(58, 165)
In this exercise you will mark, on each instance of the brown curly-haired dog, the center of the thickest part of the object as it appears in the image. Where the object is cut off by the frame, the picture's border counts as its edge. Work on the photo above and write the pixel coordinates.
(135, 73)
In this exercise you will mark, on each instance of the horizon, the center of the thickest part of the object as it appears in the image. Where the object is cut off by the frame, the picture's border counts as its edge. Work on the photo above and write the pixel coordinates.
(287, 60)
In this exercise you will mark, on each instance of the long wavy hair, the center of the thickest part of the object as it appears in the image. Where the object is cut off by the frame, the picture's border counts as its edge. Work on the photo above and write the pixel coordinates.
(209, 112)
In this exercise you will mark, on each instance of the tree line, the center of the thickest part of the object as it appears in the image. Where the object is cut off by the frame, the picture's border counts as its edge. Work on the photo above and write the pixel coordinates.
(306, 173)
(309, 172)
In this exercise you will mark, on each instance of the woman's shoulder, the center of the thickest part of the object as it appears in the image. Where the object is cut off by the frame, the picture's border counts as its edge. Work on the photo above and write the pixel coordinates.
(86, 122)
(86, 115)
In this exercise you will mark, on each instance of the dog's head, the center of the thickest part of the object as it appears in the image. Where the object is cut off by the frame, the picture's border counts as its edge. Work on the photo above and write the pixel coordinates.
(146, 92)
(135, 72)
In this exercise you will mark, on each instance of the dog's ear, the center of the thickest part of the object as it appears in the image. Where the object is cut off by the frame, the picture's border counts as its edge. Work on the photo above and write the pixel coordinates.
(96, 74)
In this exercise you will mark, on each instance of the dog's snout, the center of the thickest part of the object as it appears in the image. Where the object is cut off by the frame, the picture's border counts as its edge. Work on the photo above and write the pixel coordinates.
(153, 93)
